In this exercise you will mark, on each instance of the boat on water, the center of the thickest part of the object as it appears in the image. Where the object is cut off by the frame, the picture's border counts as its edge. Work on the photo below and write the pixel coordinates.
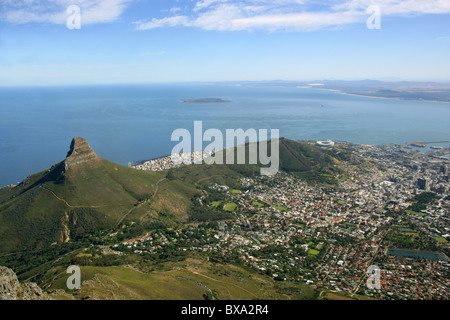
(418, 145)
(436, 147)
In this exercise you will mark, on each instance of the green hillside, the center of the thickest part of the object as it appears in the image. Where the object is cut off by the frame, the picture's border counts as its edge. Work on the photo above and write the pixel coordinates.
(75, 198)
(190, 279)
(85, 194)
(305, 160)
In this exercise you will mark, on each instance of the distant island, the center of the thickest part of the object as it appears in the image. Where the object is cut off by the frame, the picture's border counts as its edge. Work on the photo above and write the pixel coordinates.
(206, 100)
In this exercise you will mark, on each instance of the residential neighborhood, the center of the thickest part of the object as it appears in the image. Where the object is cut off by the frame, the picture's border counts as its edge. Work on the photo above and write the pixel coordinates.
(328, 237)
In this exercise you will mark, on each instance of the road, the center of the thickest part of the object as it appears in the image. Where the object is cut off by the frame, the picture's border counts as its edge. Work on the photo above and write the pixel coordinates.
(71, 206)
(141, 203)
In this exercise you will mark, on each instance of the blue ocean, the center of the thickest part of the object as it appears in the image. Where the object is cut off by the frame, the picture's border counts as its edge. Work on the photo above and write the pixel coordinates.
(128, 123)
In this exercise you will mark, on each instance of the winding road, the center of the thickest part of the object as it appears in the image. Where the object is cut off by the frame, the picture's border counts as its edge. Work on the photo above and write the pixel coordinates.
(141, 203)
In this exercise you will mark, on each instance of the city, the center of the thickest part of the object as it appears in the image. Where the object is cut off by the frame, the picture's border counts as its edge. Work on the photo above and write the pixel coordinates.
(327, 237)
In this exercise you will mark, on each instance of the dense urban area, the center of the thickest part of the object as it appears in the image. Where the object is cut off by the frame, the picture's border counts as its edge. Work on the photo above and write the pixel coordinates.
(388, 213)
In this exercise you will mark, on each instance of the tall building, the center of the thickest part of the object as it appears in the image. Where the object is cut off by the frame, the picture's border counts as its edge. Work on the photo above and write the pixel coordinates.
(423, 184)
(444, 169)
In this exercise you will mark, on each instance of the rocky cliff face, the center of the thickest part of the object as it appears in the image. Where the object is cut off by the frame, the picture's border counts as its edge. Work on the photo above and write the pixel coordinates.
(12, 289)
(80, 153)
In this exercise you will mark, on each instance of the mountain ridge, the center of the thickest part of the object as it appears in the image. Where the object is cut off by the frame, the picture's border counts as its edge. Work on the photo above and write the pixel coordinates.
(84, 194)
(80, 153)
(74, 198)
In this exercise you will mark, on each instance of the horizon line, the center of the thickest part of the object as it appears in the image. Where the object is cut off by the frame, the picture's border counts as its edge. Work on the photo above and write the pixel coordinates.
(219, 81)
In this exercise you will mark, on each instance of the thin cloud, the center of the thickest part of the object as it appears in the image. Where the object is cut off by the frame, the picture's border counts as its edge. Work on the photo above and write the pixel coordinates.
(153, 53)
(174, 9)
(55, 11)
(296, 15)
(164, 22)
(399, 7)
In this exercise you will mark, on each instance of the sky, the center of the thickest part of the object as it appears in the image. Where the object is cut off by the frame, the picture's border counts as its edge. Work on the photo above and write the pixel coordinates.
(73, 42)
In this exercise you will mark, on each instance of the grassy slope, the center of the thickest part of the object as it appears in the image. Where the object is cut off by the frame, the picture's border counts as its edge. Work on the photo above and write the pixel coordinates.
(178, 280)
(38, 211)
(109, 283)
(33, 213)
(25, 213)
(305, 160)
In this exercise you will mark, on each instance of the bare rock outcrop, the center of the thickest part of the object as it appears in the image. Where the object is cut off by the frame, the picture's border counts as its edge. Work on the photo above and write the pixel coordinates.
(80, 153)
(12, 289)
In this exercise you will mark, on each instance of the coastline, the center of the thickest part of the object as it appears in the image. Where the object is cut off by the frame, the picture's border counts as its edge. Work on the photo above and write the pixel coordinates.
(340, 91)
(141, 162)
(16, 163)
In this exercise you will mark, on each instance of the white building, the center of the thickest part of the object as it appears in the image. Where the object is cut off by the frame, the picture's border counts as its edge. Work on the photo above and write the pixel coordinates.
(325, 144)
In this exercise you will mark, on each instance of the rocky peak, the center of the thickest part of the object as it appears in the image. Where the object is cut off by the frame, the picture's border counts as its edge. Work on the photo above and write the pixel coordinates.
(80, 153)
(12, 289)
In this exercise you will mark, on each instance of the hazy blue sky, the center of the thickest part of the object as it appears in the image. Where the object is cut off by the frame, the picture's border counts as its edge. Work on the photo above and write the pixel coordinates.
(139, 41)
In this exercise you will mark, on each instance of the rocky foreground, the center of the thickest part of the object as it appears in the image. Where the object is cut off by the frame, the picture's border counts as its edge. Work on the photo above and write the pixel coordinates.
(12, 289)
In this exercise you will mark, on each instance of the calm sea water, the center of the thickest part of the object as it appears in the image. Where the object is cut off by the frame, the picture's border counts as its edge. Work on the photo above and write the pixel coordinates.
(131, 123)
